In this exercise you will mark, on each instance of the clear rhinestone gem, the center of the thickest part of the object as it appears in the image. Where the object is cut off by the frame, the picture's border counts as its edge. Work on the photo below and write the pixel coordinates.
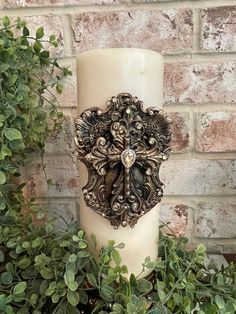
(116, 206)
(124, 223)
(128, 157)
(139, 126)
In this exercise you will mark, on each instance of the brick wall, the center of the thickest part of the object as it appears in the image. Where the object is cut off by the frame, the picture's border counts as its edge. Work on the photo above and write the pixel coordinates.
(198, 40)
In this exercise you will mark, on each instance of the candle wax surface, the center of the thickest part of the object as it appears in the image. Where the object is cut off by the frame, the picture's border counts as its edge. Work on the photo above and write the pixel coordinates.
(104, 73)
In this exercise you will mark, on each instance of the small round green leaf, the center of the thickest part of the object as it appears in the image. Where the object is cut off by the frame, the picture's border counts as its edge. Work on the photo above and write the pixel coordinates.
(46, 273)
(39, 33)
(201, 249)
(91, 279)
(144, 286)
(72, 258)
(73, 297)
(12, 134)
(6, 278)
(37, 242)
(24, 263)
(116, 257)
(2, 302)
(108, 293)
(82, 245)
(20, 288)
(73, 285)
(1, 256)
(6, 21)
(55, 298)
(2, 177)
(33, 298)
(75, 238)
(26, 244)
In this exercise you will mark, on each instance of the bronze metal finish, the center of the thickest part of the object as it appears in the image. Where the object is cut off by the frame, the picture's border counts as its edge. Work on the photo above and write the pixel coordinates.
(123, 149)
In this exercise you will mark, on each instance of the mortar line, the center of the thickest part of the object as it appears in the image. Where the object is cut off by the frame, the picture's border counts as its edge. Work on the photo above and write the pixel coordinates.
(199, 107)
(220, 241)
(203, 156)
(75, 9)
(191, 199)
(194, 4)
(193, 131)
(57, 199)
(201, 57)
(196, 32)
(67, 36)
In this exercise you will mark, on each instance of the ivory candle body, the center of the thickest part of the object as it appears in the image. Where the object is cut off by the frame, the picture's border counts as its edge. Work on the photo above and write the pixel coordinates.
(104, 73)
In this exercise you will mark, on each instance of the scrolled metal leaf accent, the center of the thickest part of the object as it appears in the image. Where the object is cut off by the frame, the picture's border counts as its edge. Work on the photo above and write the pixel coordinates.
(123, 148)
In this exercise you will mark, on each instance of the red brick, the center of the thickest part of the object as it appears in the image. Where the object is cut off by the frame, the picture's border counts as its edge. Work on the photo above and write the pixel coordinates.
(216, 132)
(53, 25)
(66, 208)
(62, 142)
(215, 219)
(68, 98)
(180, 131)
(200, 82)
(166, 31)
(176, 216)
(199, 177)
(61, 169)
(218, 31)
(145, 1)
(218, 246)
(41, 3)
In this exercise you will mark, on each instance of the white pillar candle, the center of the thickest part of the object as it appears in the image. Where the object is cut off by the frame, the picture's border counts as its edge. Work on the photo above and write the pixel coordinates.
(104, 73)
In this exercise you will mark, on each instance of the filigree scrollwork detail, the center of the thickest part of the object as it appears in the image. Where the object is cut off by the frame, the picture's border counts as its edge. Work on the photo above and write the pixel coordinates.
(123, 148)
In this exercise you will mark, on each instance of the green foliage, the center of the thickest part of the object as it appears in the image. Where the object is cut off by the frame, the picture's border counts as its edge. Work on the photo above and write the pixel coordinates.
(50, 272)
(27, 114)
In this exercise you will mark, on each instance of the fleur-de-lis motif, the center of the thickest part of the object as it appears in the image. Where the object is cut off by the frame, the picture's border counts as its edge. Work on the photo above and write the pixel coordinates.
(123, 149)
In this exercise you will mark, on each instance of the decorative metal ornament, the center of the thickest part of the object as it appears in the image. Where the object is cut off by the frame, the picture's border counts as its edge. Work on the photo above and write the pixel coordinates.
(123, 149)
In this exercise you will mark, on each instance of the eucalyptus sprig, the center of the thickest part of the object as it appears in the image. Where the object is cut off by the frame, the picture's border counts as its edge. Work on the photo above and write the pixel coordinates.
(29, 112)
(43, 271)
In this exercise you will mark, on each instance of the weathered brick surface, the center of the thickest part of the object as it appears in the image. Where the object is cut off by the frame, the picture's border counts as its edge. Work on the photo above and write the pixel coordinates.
(68, 98)
(61, 169)
(53, 25)
(167, 31)
(215, 219)
(217, 246)
(218, 29)
(59, 207)
(200, 83)
(68, 209)
(180, 131)
(145, 1)
(55, 3)
(177, 217)
(216, 132)
(199, 177)
(62, 142)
